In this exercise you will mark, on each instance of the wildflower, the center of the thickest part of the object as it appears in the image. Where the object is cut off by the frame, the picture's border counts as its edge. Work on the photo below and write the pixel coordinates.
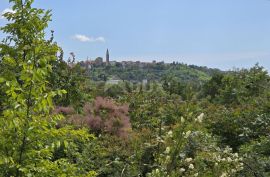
(241, 164)
(196, 174)
(167, 151)
(182, 170)
(191, 166)
(168, 158)
(170, 133)
(187, 134)
(200, 118)
(223, 174)
(182, 120)
(227, 150)
(188, 159)
(235, 155)
(182, 155)
(159, 139)
(229, 159)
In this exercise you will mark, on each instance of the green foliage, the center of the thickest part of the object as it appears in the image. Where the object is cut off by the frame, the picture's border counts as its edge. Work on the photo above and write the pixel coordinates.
(150, 109)
(114, 91)
(109, 156)
(150, 71)
(239, 86)
(257, 159)
(27, 129)
(69, 77)
(189, 150)
(170, 136)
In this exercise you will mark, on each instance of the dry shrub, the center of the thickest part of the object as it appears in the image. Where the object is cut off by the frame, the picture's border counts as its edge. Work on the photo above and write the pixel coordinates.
(64, 110)
(103, 115)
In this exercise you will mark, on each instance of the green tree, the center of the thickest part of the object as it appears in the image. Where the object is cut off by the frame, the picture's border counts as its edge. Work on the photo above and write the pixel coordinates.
(211, 88)
(70, 77)
(28, 136)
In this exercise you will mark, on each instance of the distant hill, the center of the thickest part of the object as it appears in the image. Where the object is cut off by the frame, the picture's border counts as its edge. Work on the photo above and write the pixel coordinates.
(139, 71)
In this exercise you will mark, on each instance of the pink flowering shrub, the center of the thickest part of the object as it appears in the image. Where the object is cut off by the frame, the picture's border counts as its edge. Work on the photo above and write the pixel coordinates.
(64, 110)
(102, 115)
(105, 115)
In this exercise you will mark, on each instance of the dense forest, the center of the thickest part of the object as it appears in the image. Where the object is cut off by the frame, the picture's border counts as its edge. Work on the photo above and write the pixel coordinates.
(58, 118)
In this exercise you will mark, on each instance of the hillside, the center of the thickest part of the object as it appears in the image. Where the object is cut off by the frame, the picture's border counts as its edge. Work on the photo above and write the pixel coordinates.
(139, 71)
(65, 118)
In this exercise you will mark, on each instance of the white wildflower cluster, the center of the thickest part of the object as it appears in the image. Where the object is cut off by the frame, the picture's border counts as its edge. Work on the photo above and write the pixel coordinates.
(167, 159)
(167, 151)
(191, 166)
(226, 157)
(170, 134)
(188, 167)
(159, 139)
(187, 134)
(157, 173)
(188, 160)
(182, 170)
(224, 174)
(182, 119)
(199, 118)
(225, 162)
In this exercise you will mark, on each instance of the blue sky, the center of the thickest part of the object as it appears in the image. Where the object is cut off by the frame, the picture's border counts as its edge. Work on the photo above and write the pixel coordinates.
(213, 33)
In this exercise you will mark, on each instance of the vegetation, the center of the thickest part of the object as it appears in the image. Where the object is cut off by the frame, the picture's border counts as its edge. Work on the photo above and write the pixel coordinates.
(137, 72)
(58, 118)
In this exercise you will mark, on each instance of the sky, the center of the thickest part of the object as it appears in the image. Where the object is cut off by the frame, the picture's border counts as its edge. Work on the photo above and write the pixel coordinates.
(223, 34)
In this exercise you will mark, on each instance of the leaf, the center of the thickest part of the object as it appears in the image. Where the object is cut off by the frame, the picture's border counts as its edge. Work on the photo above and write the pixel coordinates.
(15, 122)
(17, 105)
(30, 128)
(8, 83)
(66, 144)
(2, 80)
(58, 144)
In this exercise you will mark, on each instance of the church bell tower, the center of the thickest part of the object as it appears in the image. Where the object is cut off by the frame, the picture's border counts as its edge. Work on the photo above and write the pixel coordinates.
(107, 57)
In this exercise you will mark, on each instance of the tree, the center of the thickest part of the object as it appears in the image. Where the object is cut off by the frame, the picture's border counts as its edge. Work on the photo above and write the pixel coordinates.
(211, 88)
(28, 136)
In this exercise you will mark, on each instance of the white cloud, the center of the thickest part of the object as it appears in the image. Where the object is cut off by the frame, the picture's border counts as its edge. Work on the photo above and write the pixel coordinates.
(84, 38)
(5, 11)
(100, 39)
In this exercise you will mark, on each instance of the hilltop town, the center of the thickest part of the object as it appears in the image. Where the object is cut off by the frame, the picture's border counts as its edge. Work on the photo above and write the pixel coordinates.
(99, 61)
(137, 71)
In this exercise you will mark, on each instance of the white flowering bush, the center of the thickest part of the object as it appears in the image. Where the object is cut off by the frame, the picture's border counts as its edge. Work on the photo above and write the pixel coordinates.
(190, 151)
